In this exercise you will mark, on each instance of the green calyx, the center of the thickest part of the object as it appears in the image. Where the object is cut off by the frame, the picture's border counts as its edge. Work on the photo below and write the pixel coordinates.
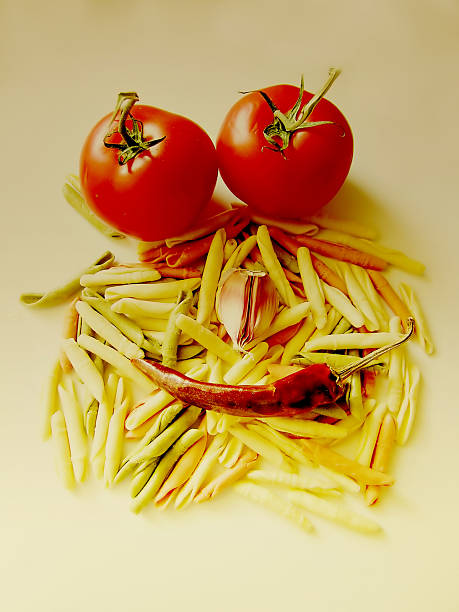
(133, 138)
(279, 132)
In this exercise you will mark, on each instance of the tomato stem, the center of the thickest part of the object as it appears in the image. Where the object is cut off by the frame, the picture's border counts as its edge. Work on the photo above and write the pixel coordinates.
(133, 140)
(285, 124)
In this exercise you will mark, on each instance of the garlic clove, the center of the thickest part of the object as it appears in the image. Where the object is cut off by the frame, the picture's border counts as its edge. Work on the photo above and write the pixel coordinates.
(246, 303)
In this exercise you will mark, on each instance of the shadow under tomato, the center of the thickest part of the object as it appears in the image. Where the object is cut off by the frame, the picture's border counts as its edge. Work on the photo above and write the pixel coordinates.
(354, 202)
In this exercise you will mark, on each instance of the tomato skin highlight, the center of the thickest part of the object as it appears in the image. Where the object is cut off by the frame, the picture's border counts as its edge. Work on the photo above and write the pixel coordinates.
(161, 191)
(316, 163)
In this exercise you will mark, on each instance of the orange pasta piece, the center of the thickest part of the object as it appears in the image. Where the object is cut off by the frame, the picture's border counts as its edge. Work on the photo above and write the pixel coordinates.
(382, 455)
(182, 273)
(328, 275)
(184, 467)
(388, 294)
(329, 249)
(229, 476)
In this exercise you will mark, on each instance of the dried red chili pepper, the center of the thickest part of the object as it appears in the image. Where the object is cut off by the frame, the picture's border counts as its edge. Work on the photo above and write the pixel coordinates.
(313, 386)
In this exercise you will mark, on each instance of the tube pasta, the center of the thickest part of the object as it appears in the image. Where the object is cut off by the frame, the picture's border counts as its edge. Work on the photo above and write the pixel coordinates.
(327, 458)
(183, 469)
(164, 468)
(312, 287)
(261, 446)
(274, 268)
(118, 361)
(50, 399)
(172, 333)
(304, 427)
(75, 429)
(372, 295)
(309, 481)
(336, 342)
(343, 305)
(335, 512)
(126, 326)
(396, 371)
(265, 497)
(391, 256)
(161, 443)
(84, 367)
(242, 368)
(228, 477)
(382, 454)
(115, 437)
(108, 332)
(97, 455)
(63, 292)
(61, 446)
(413, 305)
(359, 298)
(72, 193)
(231, 452)
(286, 445)
(285, 318)
(152, 290)
(405, 417)
(190, 489)
(207, 339)
(240, 253)
(119, 275)
(133, 308)
(210, 277)
(370, 433)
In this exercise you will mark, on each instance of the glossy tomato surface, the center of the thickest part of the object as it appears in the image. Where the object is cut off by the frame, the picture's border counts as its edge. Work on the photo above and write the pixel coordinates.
(160, 192)
(313, 168)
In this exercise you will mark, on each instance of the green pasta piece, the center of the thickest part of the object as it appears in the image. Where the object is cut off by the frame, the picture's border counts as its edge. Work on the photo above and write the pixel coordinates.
(74, 197)
(141, 478)
(172, 333)
(65, 291)
(165, 466)
(126, 326)
(165, 439)
(165, 419)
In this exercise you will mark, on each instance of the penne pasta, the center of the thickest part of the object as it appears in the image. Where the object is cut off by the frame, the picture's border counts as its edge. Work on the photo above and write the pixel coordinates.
(312, 287)
(274, 268)
(210, 278)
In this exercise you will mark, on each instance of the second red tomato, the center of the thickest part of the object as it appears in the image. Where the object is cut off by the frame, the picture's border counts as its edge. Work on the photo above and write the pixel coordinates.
(282, 173)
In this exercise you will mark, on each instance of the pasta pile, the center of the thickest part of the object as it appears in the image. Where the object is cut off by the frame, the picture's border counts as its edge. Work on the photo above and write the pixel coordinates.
(335, 305)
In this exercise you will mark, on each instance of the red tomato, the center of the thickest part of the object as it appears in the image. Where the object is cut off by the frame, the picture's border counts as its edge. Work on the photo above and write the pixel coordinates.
(291, 182)
(159, 192)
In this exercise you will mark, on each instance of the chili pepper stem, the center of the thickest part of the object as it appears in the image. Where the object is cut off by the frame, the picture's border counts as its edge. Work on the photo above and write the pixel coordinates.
(346, 372)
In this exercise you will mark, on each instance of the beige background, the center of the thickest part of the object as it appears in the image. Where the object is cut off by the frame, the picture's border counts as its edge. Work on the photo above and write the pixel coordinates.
(62, 64)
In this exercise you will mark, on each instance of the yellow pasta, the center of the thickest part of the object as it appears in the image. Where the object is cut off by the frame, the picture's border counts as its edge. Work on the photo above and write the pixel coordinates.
(343, 304)
(152, 290)
(210, 278)
(108, 332)
(274, 268)
(84, 367)
(133, 308)
(207, 339)
(61, 446)
(75, 429)
(312, 287)
(118, 361)
(238, 256)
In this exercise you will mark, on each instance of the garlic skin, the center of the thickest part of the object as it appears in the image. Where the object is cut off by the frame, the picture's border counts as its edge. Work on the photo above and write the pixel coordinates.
(246, 303)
